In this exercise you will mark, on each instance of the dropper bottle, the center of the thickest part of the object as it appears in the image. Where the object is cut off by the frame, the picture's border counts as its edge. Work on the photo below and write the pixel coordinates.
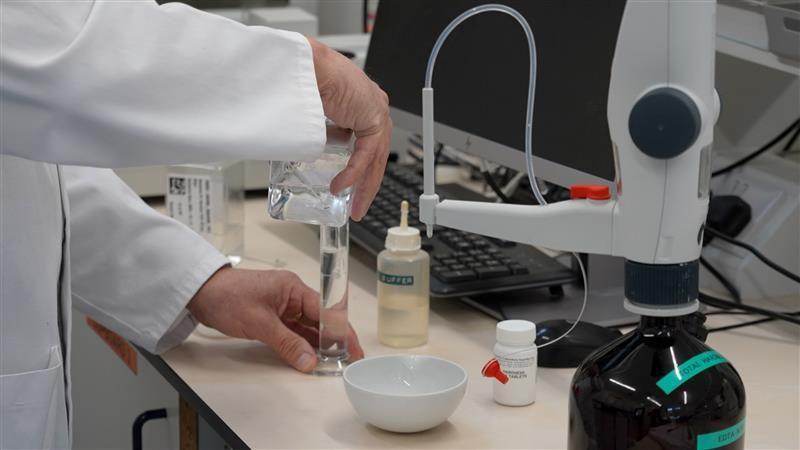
(403, 287)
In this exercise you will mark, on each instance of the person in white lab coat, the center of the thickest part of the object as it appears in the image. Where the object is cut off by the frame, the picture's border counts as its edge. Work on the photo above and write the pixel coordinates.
(114, 84)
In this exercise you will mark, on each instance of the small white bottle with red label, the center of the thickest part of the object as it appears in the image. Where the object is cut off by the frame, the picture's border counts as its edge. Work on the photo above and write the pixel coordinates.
(514, 363)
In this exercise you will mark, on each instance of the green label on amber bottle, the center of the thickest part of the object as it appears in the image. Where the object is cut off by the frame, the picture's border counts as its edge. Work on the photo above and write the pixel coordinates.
(396, 280)
(720, 438)
(689, 369)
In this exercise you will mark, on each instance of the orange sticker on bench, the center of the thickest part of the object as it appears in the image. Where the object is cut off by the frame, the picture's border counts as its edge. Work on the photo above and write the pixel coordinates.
(118, 345)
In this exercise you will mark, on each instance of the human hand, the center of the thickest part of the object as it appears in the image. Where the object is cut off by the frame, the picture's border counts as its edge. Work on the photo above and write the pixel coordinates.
(271, 306)
(352, 100)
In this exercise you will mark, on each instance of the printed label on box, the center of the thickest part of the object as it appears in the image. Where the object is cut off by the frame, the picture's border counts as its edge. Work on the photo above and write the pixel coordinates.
(189, 201)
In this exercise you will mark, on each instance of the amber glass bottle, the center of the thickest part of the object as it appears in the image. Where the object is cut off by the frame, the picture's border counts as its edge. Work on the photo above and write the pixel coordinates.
(657, 387)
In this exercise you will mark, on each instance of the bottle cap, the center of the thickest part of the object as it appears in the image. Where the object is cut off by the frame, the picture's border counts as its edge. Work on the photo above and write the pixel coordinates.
(403, 238)
(516, 332)
(492, 370)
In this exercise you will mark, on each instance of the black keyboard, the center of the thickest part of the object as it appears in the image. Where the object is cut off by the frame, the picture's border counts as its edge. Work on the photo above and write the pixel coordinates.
(462, 263)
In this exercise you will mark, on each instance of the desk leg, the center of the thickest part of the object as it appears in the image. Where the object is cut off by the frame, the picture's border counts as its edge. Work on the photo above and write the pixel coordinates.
(188, 426)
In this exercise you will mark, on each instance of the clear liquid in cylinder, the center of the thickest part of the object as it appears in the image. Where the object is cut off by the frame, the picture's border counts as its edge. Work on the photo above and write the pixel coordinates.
(333, 324)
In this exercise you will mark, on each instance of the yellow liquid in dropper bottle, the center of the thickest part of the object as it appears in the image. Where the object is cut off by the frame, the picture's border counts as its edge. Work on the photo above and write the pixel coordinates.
(403, 287)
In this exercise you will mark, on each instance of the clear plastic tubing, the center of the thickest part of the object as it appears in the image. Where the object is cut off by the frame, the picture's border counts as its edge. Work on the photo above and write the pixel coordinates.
(332, 353)
(494, 7)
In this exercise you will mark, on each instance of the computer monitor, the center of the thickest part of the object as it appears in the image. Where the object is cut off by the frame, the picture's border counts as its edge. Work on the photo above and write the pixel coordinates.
(481, 80)
(481, 85)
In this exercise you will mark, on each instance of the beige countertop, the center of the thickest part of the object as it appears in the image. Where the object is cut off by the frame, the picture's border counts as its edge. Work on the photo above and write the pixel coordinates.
(269, 405)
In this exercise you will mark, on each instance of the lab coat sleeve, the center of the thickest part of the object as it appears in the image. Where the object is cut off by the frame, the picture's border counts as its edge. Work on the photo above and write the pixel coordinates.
(132, 268)
(114, 84)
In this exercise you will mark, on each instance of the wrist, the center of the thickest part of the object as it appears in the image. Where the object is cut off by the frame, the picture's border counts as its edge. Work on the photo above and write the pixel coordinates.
(201, 301)
(321, 56)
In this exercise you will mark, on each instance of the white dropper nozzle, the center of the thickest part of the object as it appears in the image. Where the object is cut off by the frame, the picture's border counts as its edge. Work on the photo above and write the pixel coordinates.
(403, 238)
(404, 214)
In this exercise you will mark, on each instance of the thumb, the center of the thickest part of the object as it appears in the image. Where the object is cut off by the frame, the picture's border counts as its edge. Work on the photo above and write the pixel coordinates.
(290, 346)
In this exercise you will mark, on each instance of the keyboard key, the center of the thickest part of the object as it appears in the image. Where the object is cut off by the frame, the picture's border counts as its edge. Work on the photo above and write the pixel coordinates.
(492, 272)
(455, 276)
(458, 267)
(482, 244)
(462, 245)
(507, 260)
(493, 262)
(503, 243)
(518, 269)
(493, 250)
(459, 255)
(476, 252)
(474, 264)
(373, 225)
(484, 257)
(449, 261)
(466, 259)
(441, 256)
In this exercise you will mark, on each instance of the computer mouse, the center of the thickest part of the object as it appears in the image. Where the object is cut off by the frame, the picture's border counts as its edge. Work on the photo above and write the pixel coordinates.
(573, 348)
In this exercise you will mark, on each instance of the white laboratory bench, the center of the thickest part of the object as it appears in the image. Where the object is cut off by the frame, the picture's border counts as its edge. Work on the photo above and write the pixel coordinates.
(254, 401)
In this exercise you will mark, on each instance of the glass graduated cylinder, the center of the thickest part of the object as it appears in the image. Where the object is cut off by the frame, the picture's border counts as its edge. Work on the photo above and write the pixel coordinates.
(332, 353)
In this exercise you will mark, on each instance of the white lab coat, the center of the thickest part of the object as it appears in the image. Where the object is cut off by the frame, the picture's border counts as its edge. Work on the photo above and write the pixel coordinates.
(113, 84)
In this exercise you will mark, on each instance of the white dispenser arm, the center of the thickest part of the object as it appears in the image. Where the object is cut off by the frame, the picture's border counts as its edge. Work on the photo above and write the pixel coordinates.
(575, 225)
(580, 225)
(662, 107)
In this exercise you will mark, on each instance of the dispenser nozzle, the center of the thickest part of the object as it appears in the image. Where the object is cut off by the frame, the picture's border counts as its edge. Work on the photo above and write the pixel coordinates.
(404, 214)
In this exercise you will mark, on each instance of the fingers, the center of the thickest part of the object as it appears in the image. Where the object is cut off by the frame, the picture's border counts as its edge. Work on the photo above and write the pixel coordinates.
(290, 346)
(353, 346)
(309, 304)
(364, 107)
(308, 332)
(311, 335)
(307, 298)
(358, 164)
(364, 171)
(367, 188)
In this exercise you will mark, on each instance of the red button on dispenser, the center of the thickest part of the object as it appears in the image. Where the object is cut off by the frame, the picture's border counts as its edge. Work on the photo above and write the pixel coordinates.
(590, 191)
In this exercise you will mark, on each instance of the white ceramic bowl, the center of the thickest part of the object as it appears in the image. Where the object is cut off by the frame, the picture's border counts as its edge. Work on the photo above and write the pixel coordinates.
(405, 393)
